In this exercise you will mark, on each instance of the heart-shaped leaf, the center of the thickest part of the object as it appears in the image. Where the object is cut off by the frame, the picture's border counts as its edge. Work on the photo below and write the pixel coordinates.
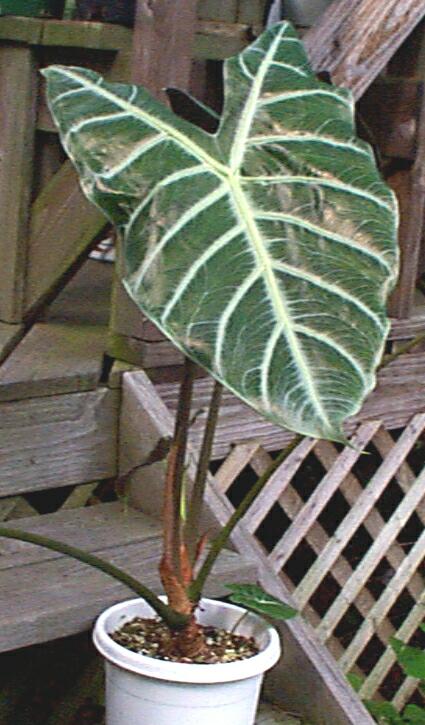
(266, 250)
(256, 599)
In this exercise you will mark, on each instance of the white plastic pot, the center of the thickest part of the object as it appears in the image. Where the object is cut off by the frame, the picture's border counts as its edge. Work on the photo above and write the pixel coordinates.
(142, 690)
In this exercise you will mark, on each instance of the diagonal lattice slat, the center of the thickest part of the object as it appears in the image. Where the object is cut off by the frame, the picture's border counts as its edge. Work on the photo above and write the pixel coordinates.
(373, 557)
(387, 660)
(323, 494)
(355, 597)
(363, 506)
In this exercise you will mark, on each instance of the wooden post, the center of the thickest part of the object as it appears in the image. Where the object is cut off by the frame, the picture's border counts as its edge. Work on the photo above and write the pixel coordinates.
(162, 56)
(18, 84)
(412, 213)
(355, 39)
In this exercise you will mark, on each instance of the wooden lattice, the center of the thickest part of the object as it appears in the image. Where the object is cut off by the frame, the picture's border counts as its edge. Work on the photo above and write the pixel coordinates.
(19, 507)
(346, 533)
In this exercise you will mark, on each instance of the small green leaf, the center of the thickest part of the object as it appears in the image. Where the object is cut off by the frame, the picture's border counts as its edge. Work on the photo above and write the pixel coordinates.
(414, 715)
(256, 599)
(384, 713)
(356, 681)
(412, 659)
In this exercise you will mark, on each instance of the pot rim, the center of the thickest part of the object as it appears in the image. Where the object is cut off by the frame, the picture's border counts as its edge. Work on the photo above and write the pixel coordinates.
(179, 671)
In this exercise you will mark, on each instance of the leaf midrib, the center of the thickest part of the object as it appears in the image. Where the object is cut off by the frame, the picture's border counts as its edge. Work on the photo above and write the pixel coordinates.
(276, 295)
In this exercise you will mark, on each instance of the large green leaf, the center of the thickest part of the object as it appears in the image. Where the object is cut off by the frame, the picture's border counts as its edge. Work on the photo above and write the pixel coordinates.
(265, 251)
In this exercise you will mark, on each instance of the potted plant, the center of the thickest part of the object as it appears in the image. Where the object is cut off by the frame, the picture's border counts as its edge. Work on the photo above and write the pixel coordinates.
(32, 8)
(265, 250)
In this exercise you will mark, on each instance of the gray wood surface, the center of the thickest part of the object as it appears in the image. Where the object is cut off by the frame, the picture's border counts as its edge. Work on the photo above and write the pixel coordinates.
(412, 210)
(9, 336)
(162, 57)
(355, 39)
(18, 82)
(43, 597)
(60, 212)
(86, 298)
(54, 358)
(57, 440)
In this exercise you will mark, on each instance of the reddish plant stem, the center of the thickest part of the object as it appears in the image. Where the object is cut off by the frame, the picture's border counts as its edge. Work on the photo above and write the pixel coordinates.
(171, 564)
(192, 527)
(222, 538)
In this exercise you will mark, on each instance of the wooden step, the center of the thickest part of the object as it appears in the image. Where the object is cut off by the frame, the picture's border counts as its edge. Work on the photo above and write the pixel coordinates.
(45, 595)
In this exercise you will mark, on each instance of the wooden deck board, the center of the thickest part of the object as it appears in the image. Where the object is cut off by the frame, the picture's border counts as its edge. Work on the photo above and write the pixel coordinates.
(9, 336)
(58, 440)
(213, 40)
(54, 358)
(44, 596)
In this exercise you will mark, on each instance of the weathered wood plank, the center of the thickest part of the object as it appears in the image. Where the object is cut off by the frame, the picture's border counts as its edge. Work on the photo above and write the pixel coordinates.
(162, 44)
(20, 29)
(412, 210)
(218, 41)
(62, 212)
(56, 607)
(85, 299)
(355, 39)
(54, 358)
(252, 13)
(162, 57)
(213, 40)
(117, 371)
(9, 337)
(58, 441)
(134, 350)
(85, 34)
(404, 329)
(18, 84)
(211, 10)
(105, 525)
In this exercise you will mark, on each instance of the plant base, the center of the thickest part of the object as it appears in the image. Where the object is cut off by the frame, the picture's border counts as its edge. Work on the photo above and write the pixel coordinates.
(142, 689)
